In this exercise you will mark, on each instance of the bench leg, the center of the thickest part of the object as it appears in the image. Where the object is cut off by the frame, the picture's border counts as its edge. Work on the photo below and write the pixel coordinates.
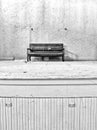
(42, 58)
(63, 58)
(28, 58)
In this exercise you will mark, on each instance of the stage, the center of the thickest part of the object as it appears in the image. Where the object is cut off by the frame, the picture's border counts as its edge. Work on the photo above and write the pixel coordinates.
(20, 69)
(43, 95)
(49, 79)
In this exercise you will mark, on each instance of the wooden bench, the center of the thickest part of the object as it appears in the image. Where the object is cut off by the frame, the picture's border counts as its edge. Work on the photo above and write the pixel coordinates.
(45, 50)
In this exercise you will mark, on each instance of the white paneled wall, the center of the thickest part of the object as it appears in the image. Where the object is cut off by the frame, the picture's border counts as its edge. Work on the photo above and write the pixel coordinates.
(48, 113)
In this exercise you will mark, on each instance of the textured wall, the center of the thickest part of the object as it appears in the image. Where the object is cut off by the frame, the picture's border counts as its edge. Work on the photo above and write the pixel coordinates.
(49, 20)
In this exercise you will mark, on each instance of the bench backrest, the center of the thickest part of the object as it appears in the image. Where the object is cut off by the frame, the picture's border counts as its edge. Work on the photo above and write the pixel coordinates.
(46, 47)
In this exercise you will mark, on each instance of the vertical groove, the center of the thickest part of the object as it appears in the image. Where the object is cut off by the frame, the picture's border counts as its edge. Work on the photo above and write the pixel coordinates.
(85, 114)
(42, 114)
(51, 114)
(22, 116)
(34, 115)
(45, 113)
(82, 116)
(25, 114)
(74, 116)
(16, 115)
(11, 113)
(31, 111)
(5, 115)
(90, 112)
(0, 116)
(62, 114)
(55, 115)
(79, 114)
(19, 121)
(96, 115)
(39, 113)
(95, 112)
(28, 113)
(68, 113)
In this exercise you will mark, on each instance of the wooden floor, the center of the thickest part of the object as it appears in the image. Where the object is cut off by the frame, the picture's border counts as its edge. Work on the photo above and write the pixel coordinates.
(63, 79)
(47, 70)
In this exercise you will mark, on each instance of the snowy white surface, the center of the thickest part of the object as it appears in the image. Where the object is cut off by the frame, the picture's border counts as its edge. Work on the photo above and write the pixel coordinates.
(47, 70)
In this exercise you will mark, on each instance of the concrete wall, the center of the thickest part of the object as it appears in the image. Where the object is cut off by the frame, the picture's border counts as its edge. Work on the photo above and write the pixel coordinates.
(72, 22)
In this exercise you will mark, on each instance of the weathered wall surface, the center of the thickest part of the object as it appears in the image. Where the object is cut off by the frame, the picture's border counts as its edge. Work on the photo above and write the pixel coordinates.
(73, 22)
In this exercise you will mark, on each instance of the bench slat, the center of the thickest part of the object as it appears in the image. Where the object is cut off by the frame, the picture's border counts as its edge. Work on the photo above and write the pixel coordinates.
(46, 53)
(44, 47)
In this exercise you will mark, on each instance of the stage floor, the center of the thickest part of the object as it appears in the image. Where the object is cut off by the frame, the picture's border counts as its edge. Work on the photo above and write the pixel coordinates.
(19, 69)
(20, 98)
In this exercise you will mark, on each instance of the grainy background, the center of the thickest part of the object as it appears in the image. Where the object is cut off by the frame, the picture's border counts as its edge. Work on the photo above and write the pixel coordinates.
(72, 22)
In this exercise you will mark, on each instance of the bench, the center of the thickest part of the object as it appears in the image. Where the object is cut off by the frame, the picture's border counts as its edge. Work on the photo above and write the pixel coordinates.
(45, 50)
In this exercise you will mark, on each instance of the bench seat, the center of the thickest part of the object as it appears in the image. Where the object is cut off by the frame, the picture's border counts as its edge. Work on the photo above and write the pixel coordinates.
(46, 53)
